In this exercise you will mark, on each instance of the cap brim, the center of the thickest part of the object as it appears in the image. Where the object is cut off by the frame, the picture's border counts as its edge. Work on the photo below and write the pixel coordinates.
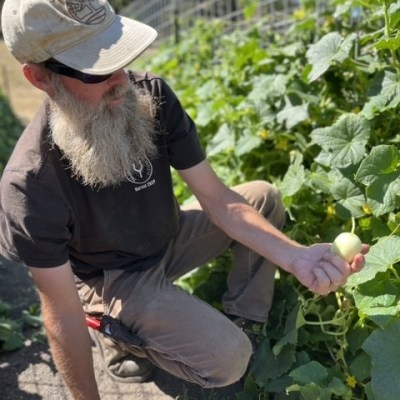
(114, 48)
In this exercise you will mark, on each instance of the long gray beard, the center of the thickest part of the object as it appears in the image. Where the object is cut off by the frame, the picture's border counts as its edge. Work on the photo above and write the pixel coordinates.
(102, 143)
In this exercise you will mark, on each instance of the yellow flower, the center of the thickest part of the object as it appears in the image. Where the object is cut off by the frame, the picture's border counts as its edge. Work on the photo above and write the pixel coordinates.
(263, 134)
(300, 14)
(351, 381)
(330, 211)
(367, 209)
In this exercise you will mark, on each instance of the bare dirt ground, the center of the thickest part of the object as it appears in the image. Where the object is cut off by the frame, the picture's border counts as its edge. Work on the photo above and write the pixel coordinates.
(29, 373)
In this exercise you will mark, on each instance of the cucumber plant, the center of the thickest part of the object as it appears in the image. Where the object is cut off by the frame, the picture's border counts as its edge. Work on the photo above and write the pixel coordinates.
(314, 110)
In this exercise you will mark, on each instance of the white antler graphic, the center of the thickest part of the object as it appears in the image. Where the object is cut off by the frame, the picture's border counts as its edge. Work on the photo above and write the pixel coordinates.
(138, 170)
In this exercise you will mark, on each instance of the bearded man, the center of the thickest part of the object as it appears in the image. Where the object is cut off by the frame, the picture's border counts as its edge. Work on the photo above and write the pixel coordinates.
(87, 204)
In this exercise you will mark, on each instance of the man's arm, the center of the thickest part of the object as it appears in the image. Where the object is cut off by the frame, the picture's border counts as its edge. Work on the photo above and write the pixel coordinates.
(66, 328)
(315, 266)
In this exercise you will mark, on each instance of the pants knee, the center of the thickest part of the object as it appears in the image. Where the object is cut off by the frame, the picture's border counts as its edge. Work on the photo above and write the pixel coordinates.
(232, 364)
(267, 200)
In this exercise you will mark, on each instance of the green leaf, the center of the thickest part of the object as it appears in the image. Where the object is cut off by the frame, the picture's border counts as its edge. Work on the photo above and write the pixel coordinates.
(250, 391)
(5, 308)
(294, 321)
(388, 44)
(349, 197)
(32, 320)
(380, 172)
(384, 350)
(345, 140)
(337, 387)
(294, 178)
(11, 337)
(267, 366)
(313, 372)
(268, 86)
(291, 115)
(360, 367)
(332, 48)
(222, 141)
(383, 160)
(205, 114)
(386, 87)
(247, 142)
(309, 392)
(377, 296)
(379, 258)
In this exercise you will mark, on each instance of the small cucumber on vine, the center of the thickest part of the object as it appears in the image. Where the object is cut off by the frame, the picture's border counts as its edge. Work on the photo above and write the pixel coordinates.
(346, 245)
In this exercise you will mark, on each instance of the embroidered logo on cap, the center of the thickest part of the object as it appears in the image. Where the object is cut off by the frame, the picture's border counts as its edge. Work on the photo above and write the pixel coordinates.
(88, 12)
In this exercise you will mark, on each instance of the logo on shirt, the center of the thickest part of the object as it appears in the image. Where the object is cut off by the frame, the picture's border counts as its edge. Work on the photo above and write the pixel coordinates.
(141, 172)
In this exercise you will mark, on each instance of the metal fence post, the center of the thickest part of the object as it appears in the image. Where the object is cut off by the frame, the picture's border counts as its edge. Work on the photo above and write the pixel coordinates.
(175, 16)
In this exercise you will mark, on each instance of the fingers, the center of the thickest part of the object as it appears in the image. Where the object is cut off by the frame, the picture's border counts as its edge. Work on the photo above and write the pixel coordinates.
(359, 260)
(358, 263)
(332, 271)
(337, 274)
(322, 283)
(364, 248)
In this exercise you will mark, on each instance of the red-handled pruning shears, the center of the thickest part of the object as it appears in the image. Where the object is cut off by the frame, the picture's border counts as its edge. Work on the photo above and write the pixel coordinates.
(114, 329)
(93, 323)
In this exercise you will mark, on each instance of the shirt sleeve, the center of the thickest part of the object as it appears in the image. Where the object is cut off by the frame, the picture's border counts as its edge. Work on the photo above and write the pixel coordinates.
(33, 222)
(184, 147)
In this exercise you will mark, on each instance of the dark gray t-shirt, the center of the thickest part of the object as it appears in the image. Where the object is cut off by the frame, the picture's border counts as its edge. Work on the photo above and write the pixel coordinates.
(47, 217)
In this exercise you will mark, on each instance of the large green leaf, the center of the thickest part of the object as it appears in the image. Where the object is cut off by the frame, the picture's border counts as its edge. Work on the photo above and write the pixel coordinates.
(330, 49)
(384, 350)
(380, 257)
(380, 172)
(386, 90)
(267, 366)
(377, 297)
(345, 140)
(350, 199)
(313, 372)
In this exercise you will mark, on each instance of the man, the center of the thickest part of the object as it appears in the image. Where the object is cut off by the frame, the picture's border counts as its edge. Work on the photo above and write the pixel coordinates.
(86, 202)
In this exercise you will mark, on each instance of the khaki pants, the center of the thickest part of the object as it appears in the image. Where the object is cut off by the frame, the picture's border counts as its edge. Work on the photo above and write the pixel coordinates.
(185, 336)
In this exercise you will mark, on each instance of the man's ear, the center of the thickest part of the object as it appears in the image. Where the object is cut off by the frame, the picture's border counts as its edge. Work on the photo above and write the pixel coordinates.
(38, 77)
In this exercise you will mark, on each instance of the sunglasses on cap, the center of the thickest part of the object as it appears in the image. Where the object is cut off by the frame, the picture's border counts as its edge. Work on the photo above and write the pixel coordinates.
(61, 69)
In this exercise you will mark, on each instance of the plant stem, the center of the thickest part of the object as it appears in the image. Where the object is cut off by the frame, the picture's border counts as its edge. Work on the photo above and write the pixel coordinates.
(388, 32)
(353, 224)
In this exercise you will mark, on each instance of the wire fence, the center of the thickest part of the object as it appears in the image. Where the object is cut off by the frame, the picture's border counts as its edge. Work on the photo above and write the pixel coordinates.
(172, 18)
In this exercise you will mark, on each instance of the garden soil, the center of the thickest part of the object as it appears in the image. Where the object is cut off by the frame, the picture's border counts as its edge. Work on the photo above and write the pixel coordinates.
(29, 373)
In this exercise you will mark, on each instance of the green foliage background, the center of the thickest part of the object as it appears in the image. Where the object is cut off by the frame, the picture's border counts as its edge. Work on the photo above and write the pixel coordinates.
(314, 110)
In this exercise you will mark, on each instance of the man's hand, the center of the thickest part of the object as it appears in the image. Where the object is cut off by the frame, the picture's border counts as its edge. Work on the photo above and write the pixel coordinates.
(322, 271)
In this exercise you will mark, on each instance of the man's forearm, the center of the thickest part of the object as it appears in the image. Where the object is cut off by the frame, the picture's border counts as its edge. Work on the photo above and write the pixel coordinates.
(71, 348)
(245, 225)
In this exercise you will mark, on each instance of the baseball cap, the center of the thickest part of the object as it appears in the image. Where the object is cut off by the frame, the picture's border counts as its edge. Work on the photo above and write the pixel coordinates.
(86, 35)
